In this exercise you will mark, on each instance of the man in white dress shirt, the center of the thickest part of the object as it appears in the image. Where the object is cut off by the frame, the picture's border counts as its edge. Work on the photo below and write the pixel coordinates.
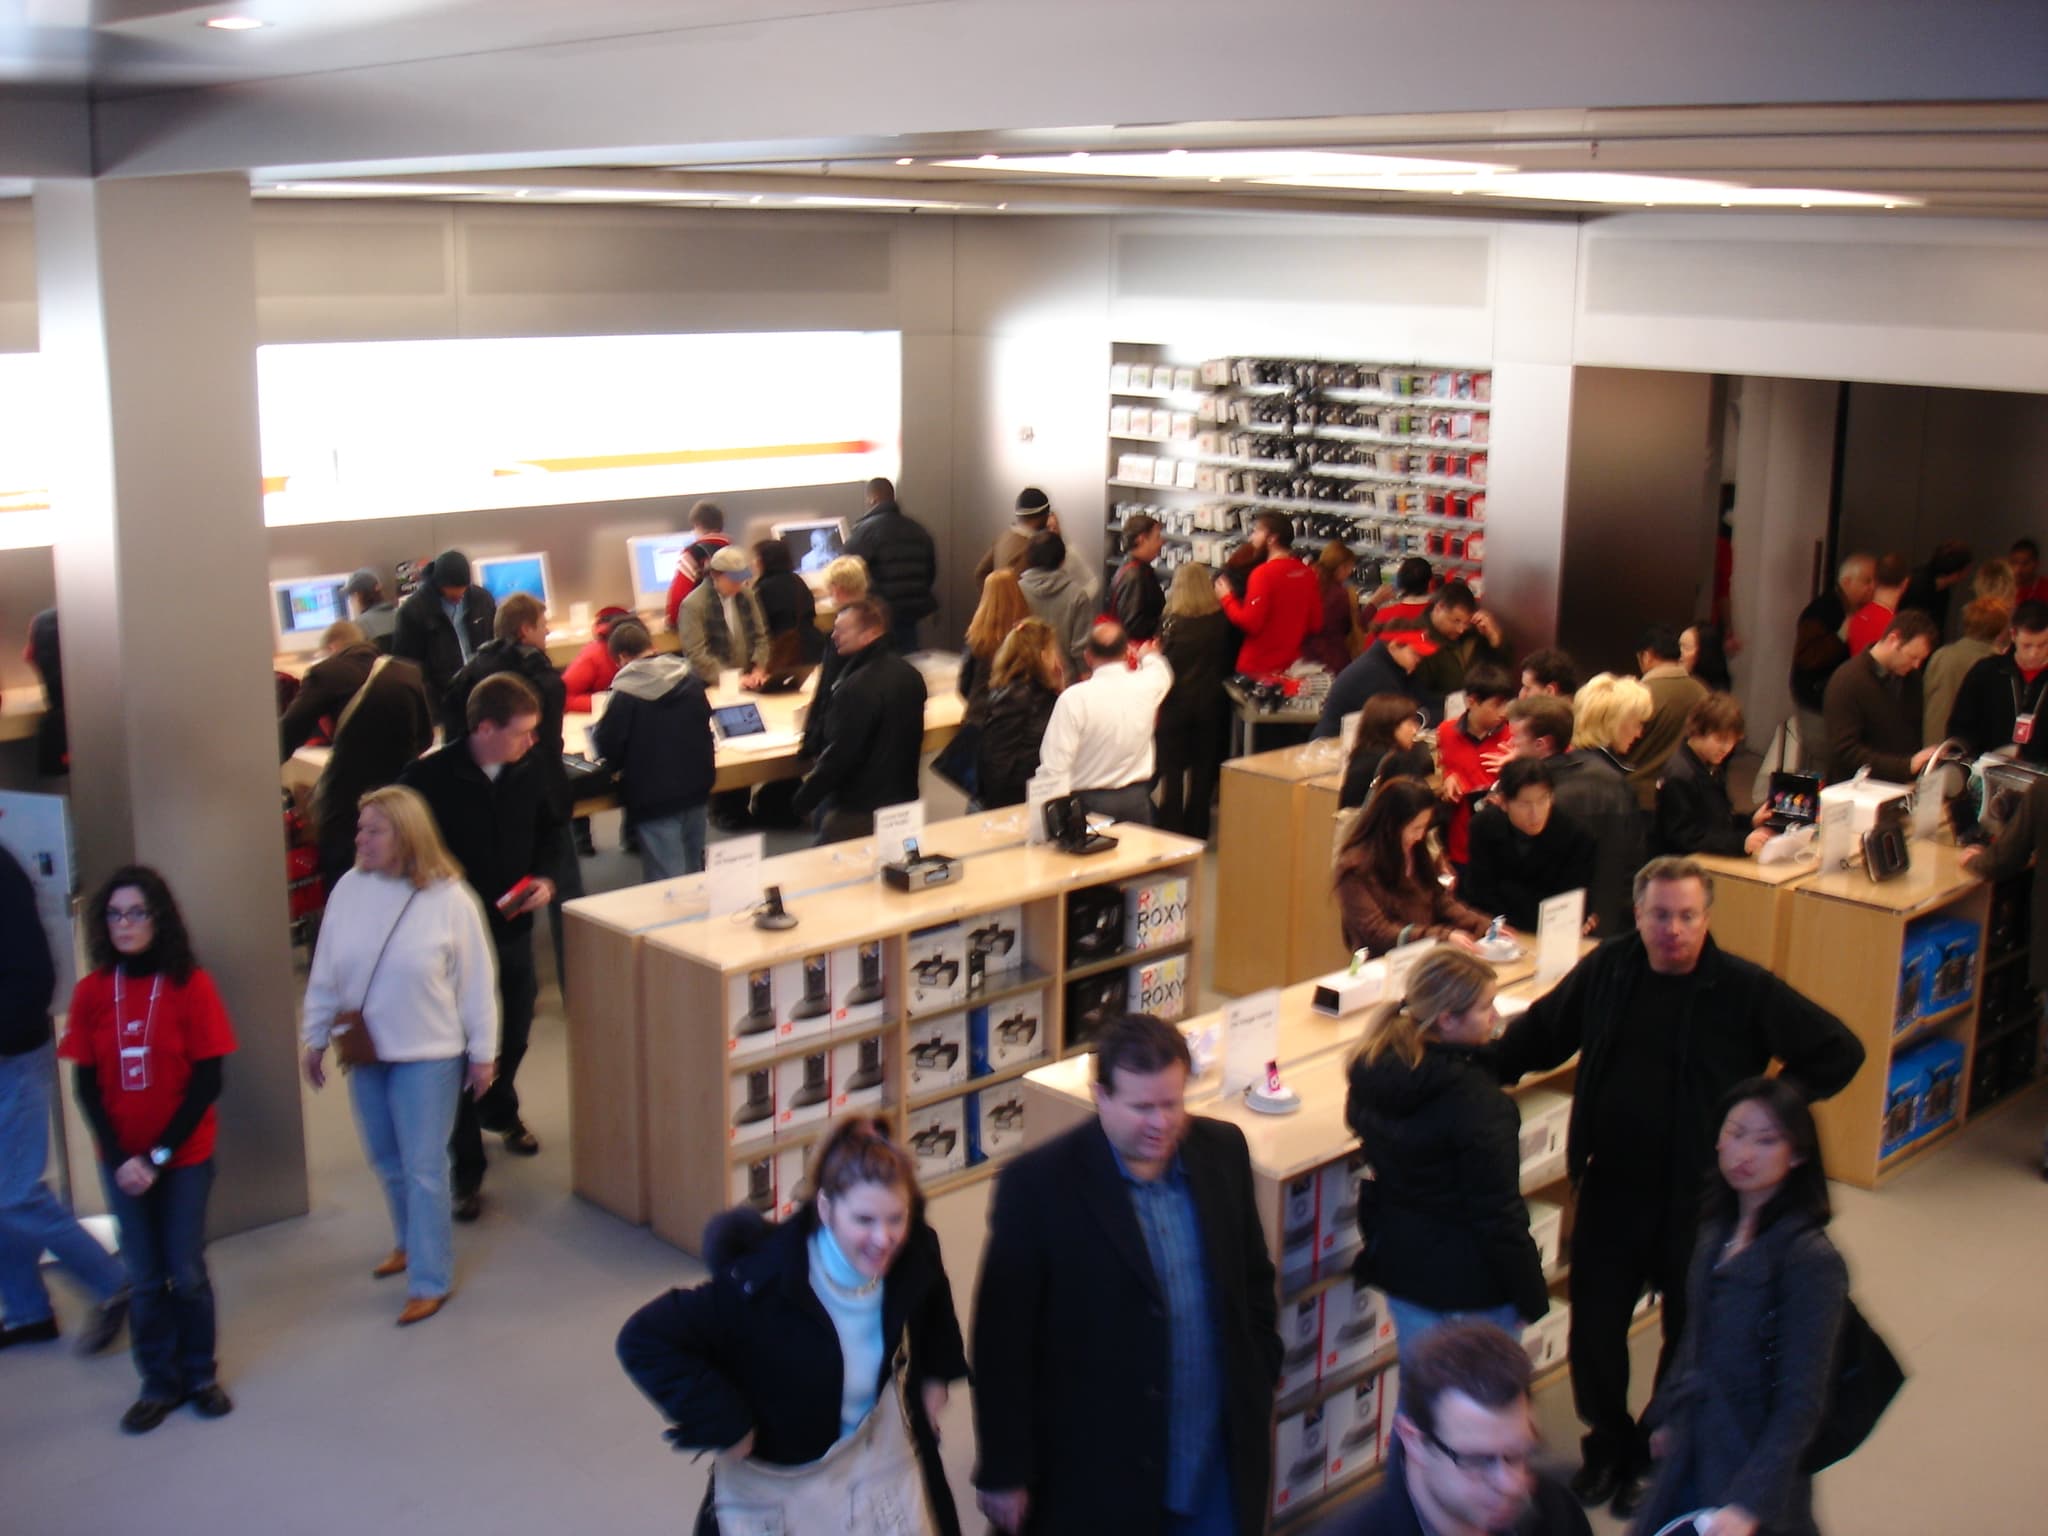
(1098, 743)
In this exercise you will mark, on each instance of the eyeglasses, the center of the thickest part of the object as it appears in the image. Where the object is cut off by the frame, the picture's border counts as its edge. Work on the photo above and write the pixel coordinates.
(1479, 1463)
(128, 915)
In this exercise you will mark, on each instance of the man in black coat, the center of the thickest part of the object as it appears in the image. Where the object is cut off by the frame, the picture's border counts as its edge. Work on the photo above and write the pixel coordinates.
(1664, 1024)
(2001, 700)
(493, 811)
(874, 729)
(1125, 1349)
(384, 722)
(1388, 666)
(1523, 850)
(444, 622)
(902, 562)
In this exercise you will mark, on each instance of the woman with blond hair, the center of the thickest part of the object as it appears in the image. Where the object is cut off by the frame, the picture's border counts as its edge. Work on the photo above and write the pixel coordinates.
(1001, 609)
(1446, 1233)
(405, 961)
(1029, 672)
(1590, 785)
(1200, 644)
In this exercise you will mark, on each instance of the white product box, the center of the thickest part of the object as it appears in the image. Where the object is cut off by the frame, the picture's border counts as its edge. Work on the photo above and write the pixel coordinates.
(1156, 913)
(1158, 421)
(938, 968)
(1299, 1453)
(1390, 1397)
(1384, 1331)
(750, 1100)
(1119, 417)
(1135, 467)
(792, 1167)
(1546, 1225)
(1546, 1118)
(803, 998)
(753, 1183)
(1337, 1213)
(1301, 1343)
(1007, 1034)
(1351, 1430)
(859, 987)
(1847, 811)
(1184, 381)
(1120, 376)
(1343, 993)
(1183, 422)
(938, 1052)
(860, 1074)
(803, 1088)
(1547, 1337)
(1160, 987)
(1298, 1211)
(995, 1122)
(995, 945)
(1186, 474)
(750, 1013)
(1352, 1314)
(937, 1137)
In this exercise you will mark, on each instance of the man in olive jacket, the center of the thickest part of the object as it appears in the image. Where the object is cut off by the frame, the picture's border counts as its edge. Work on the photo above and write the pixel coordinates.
(1125, 1351)
(1664, 1023)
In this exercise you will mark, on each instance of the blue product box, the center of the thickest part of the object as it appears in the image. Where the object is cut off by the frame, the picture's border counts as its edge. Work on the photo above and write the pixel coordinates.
(1941, 1094)
(1947, 951)
(1905, 1085)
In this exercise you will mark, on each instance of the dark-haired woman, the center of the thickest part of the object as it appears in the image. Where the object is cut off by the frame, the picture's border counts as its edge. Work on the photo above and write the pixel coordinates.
(148, 1032)
(1765, 1302)
(1387, 885)
(795, 643)
(788, 1349)
(1702, 653)
(1386, 748)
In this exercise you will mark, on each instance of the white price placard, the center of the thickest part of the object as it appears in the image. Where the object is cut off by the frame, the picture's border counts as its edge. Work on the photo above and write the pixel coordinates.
(1038, 793)
(896, 826)
(1559, 922)
(1251, 1038)
(732, 874)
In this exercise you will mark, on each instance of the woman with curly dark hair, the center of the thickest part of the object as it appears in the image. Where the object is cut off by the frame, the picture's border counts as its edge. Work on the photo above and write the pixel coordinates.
(148, 1032)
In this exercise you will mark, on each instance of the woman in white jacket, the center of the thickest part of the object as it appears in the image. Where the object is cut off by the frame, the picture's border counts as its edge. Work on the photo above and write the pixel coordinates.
(403, 943)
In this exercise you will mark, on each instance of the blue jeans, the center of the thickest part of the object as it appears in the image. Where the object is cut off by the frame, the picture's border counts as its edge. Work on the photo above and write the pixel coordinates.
(405, 1111)
(673, 845)
(32, 1219)
(163, 1243)
(1412, 1323)
(1215, 1511)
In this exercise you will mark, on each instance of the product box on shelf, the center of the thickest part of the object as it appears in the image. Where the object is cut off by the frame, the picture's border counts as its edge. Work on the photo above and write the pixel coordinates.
(1941, 1097)
(1301, 1343)
(1095, 923)
(1156, 913)
(860, 1074)
(1941, 955)
(750, 1100)
(1546, 1117)
(1905, 1092)
(1352, 1314)
(1390, 1394)
(803, 1088)
(995, 1122)
(1546, 1338)
(1299, 1454)
(1337, 1214)
(803, 998)
(995, 947)
(938, 1052)
(753, 1183)
(937, 1138)
(1160, 987)
(1092, 1002)
(1546, 1226)
(938, 968)
(1298, 1226)
(750, 1013)
(859, 989)
(792, 1168)
(1007, 1034)
(1351, 1430)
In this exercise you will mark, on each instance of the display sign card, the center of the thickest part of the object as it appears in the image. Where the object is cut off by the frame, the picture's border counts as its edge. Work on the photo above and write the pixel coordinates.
(1251, 1038)
(897, 829)
(1037, 792)
(1559, 922)
(732, 873)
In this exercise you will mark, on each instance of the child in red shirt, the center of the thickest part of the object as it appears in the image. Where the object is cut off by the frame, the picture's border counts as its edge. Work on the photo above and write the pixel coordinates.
(1472, 749)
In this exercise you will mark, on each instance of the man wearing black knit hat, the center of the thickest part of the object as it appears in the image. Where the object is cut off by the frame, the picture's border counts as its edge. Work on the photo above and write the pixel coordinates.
(444, 622)
(1034, 511)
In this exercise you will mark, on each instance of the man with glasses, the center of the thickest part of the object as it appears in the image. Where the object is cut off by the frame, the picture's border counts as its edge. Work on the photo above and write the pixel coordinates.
(1467, 1439)
(1664, 1023)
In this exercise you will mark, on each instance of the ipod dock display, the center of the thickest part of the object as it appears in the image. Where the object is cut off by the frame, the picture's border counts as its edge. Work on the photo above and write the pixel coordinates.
(803, 997)
(859, 994)
(750, 1022)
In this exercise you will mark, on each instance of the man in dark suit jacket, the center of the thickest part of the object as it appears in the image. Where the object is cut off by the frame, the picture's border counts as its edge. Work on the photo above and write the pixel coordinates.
(1125, 1349)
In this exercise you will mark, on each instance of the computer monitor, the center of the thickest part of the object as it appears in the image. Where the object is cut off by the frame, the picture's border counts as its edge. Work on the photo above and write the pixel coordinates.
(302, 608)
(653, 558)
(813, 544)
(502, 575)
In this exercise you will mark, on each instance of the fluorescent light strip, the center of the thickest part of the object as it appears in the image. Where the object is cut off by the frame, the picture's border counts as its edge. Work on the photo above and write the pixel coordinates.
(1612, 188)
(1230, 164)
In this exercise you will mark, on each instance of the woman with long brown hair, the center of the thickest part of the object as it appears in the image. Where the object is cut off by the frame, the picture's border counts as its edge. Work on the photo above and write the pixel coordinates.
(1001, 609)
(1387, 882)
(1029, 672)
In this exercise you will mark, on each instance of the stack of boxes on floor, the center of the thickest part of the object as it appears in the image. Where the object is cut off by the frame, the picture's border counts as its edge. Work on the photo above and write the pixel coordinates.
(1937, 975)
(949, 1042)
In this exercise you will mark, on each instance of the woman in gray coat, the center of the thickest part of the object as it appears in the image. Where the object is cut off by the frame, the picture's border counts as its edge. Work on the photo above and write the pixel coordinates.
(1766, 1294)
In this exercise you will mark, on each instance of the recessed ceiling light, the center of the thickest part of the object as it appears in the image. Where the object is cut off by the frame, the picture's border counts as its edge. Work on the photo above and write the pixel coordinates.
(1891, 205)
(1001, 206)
(234, 23)
(1079, 154)
(988, 159)
(755, 199)
(904, 161)
(523, 192)
(1176, 152)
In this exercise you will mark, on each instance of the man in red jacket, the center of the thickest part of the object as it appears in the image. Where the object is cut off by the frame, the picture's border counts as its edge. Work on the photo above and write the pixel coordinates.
(1282, 604)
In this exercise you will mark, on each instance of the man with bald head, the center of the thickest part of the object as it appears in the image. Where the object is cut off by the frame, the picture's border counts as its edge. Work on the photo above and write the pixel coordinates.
(1821, 645)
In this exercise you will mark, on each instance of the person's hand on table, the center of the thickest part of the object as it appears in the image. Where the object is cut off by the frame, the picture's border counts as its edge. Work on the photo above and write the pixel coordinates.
(1464, 941)
(1753, 844)
(754, 679)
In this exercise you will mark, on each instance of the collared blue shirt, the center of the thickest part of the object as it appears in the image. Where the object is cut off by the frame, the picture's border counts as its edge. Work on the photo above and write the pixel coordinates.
(1165, 1208)
(454, 612)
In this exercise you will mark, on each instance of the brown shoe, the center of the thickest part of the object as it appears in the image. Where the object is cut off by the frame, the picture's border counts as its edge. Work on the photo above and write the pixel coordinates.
(420, 1308)
(395, 1265)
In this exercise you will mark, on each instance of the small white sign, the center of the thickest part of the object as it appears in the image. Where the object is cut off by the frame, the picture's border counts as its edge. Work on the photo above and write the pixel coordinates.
(1251, 1038)
(732, 873)
(1039, 791)
(895, 827)
(1559, 923)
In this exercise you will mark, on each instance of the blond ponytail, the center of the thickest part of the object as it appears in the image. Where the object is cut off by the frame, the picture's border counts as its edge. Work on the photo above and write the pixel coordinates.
(1446, 980)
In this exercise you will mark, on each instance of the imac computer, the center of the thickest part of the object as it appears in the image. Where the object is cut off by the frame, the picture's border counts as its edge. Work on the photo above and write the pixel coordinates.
(813, 544)
(302, 608)
(502, 575)
(653, 557)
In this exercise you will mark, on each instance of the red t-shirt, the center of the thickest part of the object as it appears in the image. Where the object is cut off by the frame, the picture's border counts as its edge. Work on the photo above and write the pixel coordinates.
(144, 1058)
(1283, 606)
(1477, 764)
(1867, 626)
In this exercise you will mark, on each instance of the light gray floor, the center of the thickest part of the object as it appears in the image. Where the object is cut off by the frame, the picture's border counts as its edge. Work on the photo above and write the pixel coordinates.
(507, 1413)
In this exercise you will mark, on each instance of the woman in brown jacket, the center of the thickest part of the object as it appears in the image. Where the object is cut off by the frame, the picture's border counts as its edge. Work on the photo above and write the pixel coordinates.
(1387, 879)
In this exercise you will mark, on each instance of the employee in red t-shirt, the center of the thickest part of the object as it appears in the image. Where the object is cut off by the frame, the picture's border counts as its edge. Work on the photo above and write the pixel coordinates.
(148, 1032)
(1471, 750)
(1282, 603)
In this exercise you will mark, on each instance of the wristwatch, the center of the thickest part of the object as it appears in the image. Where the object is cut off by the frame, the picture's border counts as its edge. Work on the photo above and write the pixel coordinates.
(159, 1156)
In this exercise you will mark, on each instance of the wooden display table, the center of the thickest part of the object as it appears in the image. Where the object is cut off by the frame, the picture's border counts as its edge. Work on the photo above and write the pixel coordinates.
(1266, 867)
(1315, 940)
(22, 711)
(1752, 914)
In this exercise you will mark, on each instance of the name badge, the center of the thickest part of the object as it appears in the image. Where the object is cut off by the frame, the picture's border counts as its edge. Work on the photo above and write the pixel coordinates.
(2023, 728)
(135, 1068)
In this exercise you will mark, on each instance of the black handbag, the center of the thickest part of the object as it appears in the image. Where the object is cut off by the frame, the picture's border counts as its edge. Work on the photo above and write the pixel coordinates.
(958, 762)
(1867, 1377)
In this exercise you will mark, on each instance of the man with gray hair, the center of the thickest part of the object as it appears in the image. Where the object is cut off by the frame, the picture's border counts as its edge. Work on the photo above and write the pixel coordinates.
(1821, 644)
(1664, 1023)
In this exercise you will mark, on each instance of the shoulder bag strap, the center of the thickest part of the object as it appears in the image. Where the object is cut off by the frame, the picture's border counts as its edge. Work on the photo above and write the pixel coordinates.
(388, 933)
(349, 713)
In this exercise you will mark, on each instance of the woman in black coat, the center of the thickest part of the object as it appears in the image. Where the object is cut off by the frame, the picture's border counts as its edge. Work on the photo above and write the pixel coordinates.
(1766, 1297)
(1446, 1233)
(1200, 644)
(1694, 813)
(1386, 748)
(1030, 669)
(752, 1363)
(795, 643)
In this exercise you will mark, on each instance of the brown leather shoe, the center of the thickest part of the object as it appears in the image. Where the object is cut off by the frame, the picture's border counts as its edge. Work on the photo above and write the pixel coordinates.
(420, 1308)
(395, 1265)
